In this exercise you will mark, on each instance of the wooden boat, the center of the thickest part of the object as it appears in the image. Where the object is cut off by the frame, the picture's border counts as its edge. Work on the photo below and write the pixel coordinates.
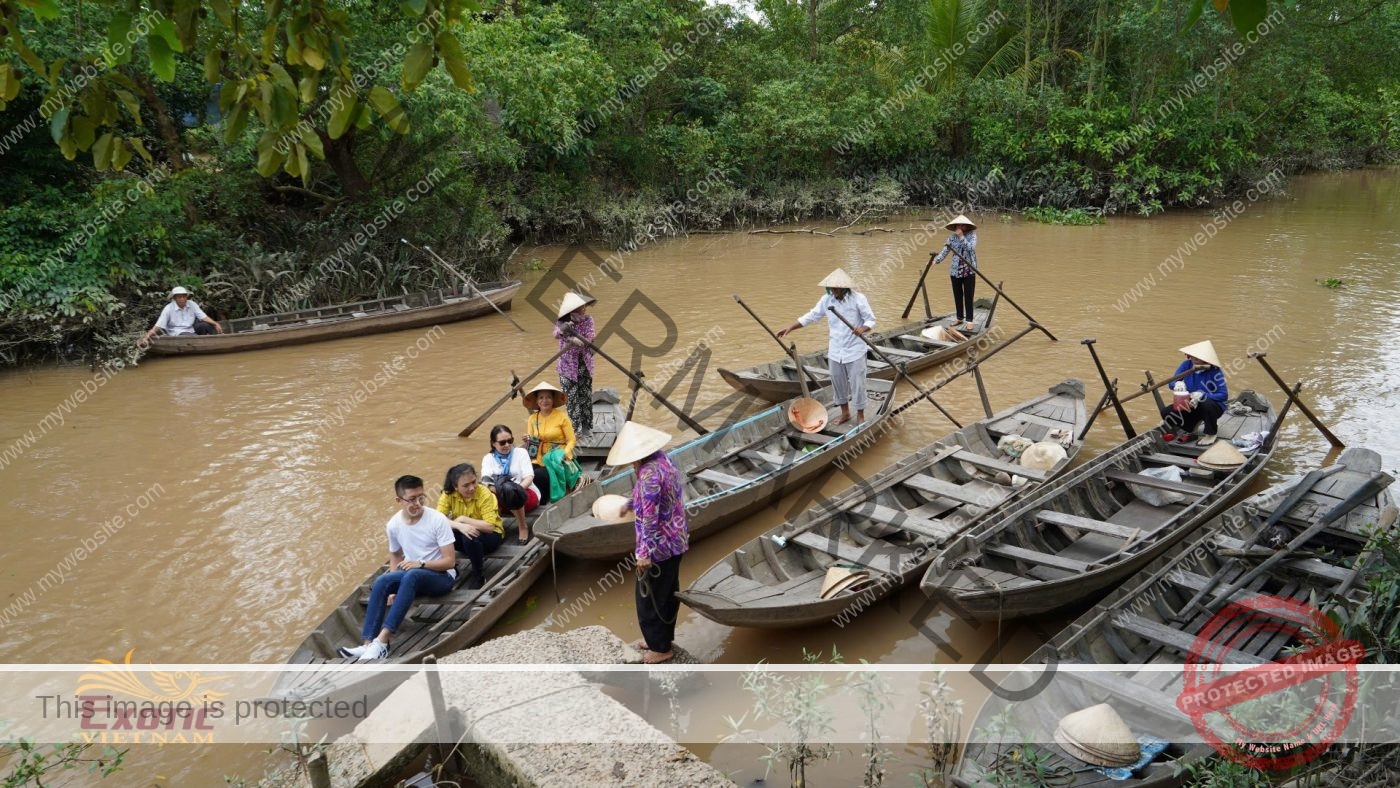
(890, 526)
(731, 473)
(776, 381)
(442, 625)
(1152, 621)
(413, 310)
(1088, 531)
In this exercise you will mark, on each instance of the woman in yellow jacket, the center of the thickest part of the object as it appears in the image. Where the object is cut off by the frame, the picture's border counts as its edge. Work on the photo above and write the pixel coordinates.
(548, 428)
(476, 521)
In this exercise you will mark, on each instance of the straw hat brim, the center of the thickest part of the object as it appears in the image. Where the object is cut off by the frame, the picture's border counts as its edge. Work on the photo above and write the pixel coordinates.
(1043, 456)
(1100, 733)
(839, 280)
(1222, 453)
(840, 578)
(572, 302)
(532, 397)
(942, 334)
(1093, 755)
(609, 509)
(1204, 351)
(636, 442)
(961, 219)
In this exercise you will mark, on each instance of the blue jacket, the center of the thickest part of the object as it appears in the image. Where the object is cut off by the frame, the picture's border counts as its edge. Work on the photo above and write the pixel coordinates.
(1211, 381)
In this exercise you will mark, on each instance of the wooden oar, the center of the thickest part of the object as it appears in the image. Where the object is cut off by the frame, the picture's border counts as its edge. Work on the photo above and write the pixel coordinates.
(1111, 389)
(1369, 489)
(967, 370)
(1148, 389)
(805, 405)
(508, 395)
(1003, 294)
(1326, 433)
(800, 370)
(897, 368)
(680, 414)
(467, 281)
(909, 307)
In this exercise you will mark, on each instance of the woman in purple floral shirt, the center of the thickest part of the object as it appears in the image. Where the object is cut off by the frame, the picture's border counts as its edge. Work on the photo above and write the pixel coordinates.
(576, 365)
(663, 535)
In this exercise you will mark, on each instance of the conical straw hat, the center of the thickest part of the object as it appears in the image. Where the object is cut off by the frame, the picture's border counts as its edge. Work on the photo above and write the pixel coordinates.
(573, 301)
(1222, 455)
(1043, 456)
(533, 396)
(962, 219)
(634, 442)
(942, 334)
(839, 279)
(1204, 351)
(609, 509)
(1098, 735)
(839, 578)
(807, 414)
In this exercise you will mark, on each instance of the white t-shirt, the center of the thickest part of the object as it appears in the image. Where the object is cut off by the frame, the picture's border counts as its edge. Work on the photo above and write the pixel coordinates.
(520, 468)
(423, 540)
(177, 321)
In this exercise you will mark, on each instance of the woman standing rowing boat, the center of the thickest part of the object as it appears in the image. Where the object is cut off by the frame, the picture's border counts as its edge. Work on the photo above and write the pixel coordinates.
(576, 364)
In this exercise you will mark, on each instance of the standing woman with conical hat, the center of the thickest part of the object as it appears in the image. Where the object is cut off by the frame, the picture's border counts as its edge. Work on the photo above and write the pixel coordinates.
(845, 352)
(1200, 396)
(962, 244)
(576, 365)
(663, 535)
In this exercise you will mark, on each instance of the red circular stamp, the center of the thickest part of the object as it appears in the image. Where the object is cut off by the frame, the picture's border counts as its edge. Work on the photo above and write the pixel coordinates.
(1232, 709)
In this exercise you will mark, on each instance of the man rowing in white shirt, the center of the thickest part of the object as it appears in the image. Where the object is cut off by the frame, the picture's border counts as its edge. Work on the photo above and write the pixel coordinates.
(845, 353)
(183, 316)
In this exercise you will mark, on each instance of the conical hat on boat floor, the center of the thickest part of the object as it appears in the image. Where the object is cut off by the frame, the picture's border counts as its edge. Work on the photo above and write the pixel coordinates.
(1099, 736)
(1043, 455)
(942, 334)
(841, 578)
(1221, 455)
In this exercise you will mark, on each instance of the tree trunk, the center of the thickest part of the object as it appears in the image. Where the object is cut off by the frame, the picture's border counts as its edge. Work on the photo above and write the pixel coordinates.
(812, 51)
(170, 135)
(340, 155)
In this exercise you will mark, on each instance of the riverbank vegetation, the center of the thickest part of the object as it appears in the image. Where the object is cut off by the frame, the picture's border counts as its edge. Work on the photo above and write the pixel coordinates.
(286, 148)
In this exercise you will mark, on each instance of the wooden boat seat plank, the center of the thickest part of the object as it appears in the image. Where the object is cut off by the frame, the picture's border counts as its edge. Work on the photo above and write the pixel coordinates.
(782, 589)
(1142, 697)
(907, 521)
(899, 352)
(925, 340)
(1036, 557)
(932, 486)
(875, 556)
(1178, 640)
(1117, 475)
(722, 479)
(815, 437)
(992, 464)
(1086, 524)
(1311, 566)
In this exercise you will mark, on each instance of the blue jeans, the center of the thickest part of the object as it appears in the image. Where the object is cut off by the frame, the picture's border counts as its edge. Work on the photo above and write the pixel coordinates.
(405, 586)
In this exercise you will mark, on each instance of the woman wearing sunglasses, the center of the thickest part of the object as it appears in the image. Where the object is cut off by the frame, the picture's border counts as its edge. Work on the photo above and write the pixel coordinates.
(507, 470)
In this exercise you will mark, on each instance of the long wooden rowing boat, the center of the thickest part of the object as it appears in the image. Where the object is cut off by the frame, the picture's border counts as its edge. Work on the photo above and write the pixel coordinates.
(1088, 530)
(730, 473)
(1152, 621)
(890, 526)
(776, 381)
(441, 625)
(413, 310)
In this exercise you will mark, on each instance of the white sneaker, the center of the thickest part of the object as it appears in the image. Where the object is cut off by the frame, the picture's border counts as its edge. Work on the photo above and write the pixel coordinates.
(373, 651)
(352, 653)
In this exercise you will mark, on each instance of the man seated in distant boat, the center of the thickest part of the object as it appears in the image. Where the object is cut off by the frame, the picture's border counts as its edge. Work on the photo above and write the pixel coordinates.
(422, 562)
(845, 350)
(1199, 397)
(182, 316)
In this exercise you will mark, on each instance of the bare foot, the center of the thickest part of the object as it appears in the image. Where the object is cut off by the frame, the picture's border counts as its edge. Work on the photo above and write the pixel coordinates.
(840, 420)
(656, 657)
(639, 644)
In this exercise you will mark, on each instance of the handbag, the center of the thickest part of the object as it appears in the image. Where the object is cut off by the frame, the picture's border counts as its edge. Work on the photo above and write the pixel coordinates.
(532, 442)
(510, 494)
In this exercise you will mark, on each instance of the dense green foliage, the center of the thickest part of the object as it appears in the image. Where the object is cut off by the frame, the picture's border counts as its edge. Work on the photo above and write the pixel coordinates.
(619, 121)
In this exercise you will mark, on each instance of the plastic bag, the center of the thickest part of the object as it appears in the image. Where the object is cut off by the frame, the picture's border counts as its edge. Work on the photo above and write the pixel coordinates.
(1154, 497)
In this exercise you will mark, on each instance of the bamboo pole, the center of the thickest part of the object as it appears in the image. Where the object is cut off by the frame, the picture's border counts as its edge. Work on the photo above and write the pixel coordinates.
(516, 385)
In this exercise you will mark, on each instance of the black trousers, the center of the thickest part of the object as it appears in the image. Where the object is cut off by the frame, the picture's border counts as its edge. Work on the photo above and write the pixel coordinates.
(963, 288)
(657, 603)
(476, 549)
(203, 329)
(1207, 410)
(542, 477)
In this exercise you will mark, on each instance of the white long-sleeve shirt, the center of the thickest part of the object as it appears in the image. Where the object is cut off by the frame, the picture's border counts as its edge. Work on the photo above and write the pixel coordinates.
(176, 321)
(843, 346)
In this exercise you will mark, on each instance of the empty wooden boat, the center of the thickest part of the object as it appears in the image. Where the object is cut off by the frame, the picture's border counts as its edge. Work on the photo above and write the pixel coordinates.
(413, 310)
(776, 381)
(889, 527)
(1154, 619)
(730, 473)
(1090, 530)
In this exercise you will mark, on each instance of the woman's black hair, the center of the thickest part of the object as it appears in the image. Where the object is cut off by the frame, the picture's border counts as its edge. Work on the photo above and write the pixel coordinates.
(497, 430)
(456, 472)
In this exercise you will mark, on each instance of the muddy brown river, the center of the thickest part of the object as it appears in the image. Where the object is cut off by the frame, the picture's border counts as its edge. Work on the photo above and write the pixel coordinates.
(244, 482)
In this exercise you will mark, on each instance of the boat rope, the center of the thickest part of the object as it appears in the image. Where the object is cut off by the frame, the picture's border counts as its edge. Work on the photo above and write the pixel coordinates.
(644, 588)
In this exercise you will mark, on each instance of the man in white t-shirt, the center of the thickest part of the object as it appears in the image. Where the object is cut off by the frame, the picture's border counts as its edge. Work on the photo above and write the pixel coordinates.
(422, 562)
(182, 316)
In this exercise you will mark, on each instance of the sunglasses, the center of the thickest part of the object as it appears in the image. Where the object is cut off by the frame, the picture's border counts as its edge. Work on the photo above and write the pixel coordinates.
(506, 442)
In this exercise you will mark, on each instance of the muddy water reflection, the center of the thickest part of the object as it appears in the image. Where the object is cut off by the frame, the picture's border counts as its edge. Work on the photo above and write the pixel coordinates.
(270, 469)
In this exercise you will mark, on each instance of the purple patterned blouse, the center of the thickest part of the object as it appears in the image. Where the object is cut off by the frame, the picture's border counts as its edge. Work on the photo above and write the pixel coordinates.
(574, 355)
(659, 501)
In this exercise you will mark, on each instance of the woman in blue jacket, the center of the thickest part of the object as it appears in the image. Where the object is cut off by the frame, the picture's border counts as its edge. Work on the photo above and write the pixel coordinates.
(1207, 396)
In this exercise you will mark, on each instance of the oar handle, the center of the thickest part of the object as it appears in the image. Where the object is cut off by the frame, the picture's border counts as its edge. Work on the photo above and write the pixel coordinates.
(792, 351)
